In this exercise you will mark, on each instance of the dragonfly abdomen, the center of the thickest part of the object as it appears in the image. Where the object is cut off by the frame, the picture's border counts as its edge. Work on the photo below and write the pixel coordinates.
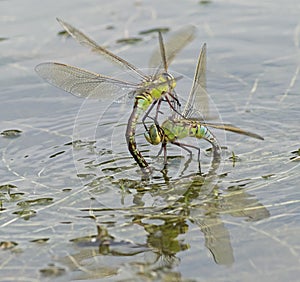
(141, 104)
(205, 133)
(179, 129)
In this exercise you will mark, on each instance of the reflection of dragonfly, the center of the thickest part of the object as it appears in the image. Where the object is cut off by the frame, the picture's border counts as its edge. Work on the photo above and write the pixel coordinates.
(147, 92)
(189, 123)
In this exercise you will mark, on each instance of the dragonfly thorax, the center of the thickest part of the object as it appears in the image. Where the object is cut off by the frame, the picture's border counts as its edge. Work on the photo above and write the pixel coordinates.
(164, 83)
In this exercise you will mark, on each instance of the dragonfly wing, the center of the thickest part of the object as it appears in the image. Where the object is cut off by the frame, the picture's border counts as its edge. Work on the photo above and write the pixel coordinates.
(172, 47)
(232, 128)
(80, 82)
(197, 102)
(86, 41)
(162, 52)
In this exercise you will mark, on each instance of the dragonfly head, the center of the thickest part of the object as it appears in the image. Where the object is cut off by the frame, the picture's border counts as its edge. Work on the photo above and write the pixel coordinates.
(154, 135)
(169, 79)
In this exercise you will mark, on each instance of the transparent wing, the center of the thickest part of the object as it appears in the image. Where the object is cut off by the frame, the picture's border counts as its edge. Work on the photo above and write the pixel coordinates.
(172, 47)
(198, 102)
(198, 98)
(86, 41)
(162, 52)
(82, 83)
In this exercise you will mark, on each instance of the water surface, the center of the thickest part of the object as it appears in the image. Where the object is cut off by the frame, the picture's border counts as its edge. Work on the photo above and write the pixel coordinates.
(73, 205)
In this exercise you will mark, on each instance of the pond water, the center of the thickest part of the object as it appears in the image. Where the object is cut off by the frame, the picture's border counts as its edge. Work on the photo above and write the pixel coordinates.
(73, 204)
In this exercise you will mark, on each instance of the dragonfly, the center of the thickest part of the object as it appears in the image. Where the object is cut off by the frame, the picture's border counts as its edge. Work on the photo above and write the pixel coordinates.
(147, 91)
(190, 122)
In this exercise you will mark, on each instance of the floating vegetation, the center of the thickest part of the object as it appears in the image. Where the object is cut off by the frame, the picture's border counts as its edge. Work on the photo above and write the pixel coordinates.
(25, 214)
(40, 201)
(236, 187)
(6, 194)
(56, 154)
(63, 33)
(7, 187)
(16, 196)
(67, 189)
(102, 237)
(154, 30)
(110, 27)
(205, 2)
(40, 240)
(1, 204)
(11, 133)
(296, 156)
(78, 144)
(107, 244)
(267, 176)
(234, 158)
(86, 175)
(5, 245)
(129, 40)
(52, 270)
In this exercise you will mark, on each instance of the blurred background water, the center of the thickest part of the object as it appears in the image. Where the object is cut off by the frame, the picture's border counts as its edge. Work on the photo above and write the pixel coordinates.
(73, 205)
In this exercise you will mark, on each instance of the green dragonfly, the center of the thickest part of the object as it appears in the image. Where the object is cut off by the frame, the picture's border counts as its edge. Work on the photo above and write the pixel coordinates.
(149, 90)
(189, 123)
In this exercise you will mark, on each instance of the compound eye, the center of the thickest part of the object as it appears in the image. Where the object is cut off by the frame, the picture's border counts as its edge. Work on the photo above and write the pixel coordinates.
(153, 135)
(168, 76)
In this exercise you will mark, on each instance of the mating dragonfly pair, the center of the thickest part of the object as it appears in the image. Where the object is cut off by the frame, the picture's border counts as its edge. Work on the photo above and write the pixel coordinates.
(149, 92)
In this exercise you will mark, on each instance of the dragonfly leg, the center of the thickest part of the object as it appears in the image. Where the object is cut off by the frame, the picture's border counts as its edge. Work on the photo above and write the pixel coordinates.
(164, 147)
(184, 146)
(199, 164)
(172, 106)
(160, 151)
(174, 98)
(147, 114)
(157, 111)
